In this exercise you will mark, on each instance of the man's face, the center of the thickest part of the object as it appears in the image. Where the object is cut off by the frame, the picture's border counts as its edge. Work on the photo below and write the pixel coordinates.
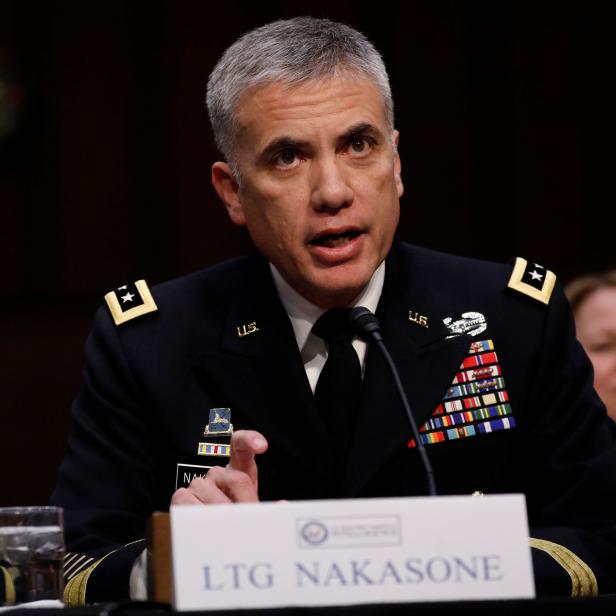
(320, 183)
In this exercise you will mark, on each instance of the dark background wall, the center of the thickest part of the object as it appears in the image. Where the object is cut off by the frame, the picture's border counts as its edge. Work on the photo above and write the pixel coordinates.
(506, 113)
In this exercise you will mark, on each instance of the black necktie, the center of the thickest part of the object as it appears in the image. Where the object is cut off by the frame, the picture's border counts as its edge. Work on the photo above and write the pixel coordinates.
(338, 389)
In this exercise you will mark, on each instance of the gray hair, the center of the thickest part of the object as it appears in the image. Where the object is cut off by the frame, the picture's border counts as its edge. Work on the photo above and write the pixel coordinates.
(292, 51)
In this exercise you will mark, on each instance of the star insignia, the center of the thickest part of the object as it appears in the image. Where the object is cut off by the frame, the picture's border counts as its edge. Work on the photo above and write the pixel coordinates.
(538, 286)
(130, 301)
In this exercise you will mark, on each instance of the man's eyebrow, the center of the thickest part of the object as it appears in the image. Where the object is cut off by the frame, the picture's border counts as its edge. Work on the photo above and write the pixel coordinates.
(359, 129)
(281, 143)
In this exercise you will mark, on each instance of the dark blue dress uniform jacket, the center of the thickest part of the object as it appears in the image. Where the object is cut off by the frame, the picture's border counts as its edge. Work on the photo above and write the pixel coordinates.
(149, 385)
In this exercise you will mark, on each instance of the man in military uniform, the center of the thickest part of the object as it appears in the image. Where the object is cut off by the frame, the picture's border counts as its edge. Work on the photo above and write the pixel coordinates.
(223, 368)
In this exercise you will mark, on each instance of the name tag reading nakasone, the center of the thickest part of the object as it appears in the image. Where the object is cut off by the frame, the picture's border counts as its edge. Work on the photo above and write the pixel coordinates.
(311, 553)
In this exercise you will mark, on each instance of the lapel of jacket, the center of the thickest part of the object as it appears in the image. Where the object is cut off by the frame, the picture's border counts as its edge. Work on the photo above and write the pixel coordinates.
(426, 361)
(261, 377)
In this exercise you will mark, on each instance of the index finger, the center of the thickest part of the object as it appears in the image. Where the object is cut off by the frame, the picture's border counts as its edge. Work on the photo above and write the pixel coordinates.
(245, 445)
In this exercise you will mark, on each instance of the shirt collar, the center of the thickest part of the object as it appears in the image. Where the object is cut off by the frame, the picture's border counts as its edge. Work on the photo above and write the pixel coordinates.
(304, 314)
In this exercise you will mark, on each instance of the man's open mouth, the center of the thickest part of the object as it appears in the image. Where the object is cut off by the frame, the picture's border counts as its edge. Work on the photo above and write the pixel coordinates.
(335, 240)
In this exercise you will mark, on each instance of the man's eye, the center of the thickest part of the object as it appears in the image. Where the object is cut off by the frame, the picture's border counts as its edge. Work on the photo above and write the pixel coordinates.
(288, 158)
(359, 146)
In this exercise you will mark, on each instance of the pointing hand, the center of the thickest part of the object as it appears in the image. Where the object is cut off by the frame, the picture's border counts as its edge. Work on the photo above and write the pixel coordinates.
(235, 483)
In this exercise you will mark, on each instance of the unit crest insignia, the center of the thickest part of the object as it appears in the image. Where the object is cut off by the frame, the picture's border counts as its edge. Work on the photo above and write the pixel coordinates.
(219, 425)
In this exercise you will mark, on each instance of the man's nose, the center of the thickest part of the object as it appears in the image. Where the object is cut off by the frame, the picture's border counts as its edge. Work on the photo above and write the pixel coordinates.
(330, 185)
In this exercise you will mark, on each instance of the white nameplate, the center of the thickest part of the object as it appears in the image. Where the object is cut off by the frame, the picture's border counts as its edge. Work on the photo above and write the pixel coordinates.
(344, 552)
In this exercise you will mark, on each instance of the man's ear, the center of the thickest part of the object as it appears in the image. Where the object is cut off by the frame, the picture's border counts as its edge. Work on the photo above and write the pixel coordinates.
(228, 190)
(397, 165)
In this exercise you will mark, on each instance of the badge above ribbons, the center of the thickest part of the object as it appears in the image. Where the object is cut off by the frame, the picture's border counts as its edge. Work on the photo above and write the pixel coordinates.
(471, 323)
(219, 425)
(476, 403)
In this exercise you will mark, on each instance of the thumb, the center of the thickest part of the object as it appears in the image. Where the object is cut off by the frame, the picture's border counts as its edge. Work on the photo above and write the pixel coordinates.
(245, 444)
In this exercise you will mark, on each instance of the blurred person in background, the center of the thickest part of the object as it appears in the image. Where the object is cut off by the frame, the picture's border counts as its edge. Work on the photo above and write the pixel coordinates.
(593, 299)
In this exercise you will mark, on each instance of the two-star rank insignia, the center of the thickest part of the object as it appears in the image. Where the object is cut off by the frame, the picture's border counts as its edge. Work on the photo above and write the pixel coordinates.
(533, 280)
(130, 301)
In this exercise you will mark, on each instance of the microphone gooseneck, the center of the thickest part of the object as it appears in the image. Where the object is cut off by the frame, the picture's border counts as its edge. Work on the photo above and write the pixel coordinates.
(367, 327)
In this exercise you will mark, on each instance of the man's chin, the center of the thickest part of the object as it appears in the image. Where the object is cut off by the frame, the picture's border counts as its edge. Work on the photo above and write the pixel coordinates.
(333, 291)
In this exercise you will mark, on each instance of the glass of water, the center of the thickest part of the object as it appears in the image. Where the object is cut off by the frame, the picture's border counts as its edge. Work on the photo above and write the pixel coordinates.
(31, 553)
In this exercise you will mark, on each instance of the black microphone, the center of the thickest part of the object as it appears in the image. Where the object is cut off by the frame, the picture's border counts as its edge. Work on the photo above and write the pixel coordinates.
(367, 327)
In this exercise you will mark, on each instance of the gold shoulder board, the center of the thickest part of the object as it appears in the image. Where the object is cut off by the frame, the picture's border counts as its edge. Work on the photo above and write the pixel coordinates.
(130, 301)
(533, 280)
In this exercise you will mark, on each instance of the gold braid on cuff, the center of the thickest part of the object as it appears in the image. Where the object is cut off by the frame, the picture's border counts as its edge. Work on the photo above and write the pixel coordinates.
(9, 587)
(583, 580)
(75, 589)
(77, 585)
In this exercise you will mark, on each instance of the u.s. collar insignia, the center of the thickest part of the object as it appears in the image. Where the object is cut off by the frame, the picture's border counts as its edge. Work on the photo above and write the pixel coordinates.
(471, 323)
(533, 280)
(130, 301)
(420, 319)
(220, 423)
(246, 330)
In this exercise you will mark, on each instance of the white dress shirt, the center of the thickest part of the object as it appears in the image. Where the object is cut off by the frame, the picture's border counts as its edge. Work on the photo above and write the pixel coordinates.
(304, 315)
